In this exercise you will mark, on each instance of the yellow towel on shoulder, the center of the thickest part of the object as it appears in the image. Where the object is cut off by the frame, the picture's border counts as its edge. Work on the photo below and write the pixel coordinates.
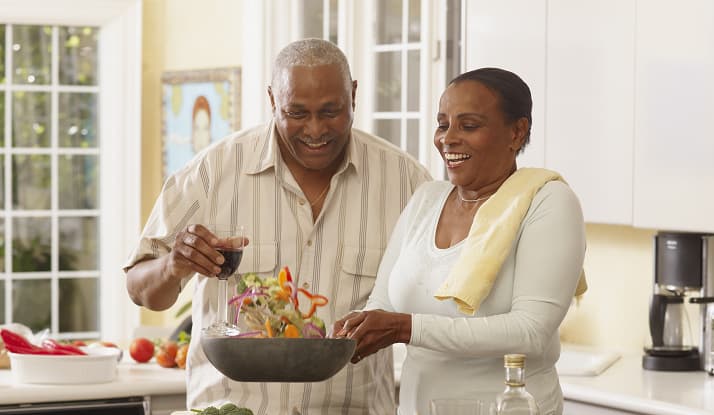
(490, 239)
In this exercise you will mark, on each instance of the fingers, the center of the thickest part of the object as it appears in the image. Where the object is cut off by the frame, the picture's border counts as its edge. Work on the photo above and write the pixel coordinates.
(194, 251)
(344, 326)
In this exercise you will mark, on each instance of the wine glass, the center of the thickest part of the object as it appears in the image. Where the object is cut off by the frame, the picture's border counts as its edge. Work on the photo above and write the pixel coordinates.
(231, 241)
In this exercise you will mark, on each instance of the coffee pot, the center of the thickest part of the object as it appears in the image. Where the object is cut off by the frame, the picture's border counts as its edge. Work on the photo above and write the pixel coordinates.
(680, 271)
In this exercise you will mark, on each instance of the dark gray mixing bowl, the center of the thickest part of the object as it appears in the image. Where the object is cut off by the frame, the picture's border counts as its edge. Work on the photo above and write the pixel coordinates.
(278, 359)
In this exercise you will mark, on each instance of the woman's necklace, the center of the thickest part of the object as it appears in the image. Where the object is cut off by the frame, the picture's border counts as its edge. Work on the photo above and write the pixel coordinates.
(478, 199)
(319, 197)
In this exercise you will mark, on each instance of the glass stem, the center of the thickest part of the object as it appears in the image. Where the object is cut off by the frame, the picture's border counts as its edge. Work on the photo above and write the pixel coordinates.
(222, 301)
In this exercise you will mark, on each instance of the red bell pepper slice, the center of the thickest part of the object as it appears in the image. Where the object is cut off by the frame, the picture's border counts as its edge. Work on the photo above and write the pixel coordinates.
(60, 348)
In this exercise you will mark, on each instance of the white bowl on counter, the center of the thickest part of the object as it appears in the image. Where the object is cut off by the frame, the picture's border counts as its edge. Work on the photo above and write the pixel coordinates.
(99, 365)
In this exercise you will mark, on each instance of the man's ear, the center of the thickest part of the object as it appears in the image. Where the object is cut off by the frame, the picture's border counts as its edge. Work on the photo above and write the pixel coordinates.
(354, 93)
(520, 129)
(272, 98)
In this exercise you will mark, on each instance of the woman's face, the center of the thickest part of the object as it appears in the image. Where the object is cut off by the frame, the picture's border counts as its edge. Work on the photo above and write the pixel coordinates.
(475, 140)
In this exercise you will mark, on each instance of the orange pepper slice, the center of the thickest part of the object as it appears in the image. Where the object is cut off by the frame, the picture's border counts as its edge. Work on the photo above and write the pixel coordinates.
(291, 331)
(268, 328)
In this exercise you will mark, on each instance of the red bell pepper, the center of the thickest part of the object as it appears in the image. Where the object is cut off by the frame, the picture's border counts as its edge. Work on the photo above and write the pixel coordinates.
(19, 344)
(60, 348)
(316, 300)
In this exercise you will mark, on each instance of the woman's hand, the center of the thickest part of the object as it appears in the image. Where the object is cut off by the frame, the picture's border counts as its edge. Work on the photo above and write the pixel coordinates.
(373, 330)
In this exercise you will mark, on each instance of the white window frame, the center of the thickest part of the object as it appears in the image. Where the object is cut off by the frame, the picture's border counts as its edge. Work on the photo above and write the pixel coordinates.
(119, 136)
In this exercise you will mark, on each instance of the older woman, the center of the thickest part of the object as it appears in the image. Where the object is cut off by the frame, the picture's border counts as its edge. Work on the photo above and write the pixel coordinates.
(447, 241)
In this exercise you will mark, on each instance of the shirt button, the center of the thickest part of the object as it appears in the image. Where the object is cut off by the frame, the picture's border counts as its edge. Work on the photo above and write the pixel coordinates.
(301, 202)
(309, 242)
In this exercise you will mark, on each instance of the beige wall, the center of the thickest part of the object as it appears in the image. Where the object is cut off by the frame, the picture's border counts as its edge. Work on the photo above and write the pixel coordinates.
(179, 35)
(613, 313)
(185, 34)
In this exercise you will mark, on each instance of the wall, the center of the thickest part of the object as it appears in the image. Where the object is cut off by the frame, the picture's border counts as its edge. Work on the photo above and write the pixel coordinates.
(613, 313)
(179, 35)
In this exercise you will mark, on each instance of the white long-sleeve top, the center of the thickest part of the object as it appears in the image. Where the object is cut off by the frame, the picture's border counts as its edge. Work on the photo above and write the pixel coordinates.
(451, 355)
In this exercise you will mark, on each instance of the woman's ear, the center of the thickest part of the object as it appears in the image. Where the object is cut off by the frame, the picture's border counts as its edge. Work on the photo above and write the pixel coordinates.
(520, 129)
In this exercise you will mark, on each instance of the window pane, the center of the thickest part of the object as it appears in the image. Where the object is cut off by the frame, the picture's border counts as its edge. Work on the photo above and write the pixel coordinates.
(31, 181)
(31, 303)
(413, 138)
(31, 112)
(414, 28)
(2, 60)
(389, 86)
(413, 72)
(389, 130)
(312, 18)
(78, 244)
(31, 245)
(78, 55)
(2, 118)
(78, 307)
(77, 120)
(389, 21)
(2, 181)
(78, 182)
(32, 54)
(333, 21)
(2, 247)
(2, 301)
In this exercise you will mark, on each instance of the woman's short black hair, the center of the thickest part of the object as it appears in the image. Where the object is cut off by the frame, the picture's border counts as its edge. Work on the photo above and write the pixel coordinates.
(516, 101)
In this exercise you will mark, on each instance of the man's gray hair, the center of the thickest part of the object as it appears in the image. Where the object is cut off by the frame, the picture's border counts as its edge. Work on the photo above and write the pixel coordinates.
(310, 52)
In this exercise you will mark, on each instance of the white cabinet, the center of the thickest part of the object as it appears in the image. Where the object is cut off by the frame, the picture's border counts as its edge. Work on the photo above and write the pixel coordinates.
(623, 98)
(589, 103)
(674, 111)
(510, 34)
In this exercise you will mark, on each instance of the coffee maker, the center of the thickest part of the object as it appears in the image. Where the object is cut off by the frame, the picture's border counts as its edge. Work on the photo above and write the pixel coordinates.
(683, 272)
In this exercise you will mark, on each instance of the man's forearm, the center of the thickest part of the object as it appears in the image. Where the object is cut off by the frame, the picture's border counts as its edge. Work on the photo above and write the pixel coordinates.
(149, 284)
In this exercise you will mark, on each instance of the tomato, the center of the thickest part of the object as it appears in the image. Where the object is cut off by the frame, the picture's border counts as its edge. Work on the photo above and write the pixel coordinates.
(181, 356)
(141, 349)
(78, 343)
(166, 356)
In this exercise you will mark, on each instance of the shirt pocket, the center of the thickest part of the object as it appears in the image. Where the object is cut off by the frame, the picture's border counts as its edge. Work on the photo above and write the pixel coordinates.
(259, 258)
(359, 272)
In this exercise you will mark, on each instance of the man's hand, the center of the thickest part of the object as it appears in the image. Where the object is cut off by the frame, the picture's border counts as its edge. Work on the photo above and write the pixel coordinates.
(373, 330)
(193, 251)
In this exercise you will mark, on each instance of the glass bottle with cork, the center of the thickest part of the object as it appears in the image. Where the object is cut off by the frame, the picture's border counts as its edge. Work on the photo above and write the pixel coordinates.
(515, 399)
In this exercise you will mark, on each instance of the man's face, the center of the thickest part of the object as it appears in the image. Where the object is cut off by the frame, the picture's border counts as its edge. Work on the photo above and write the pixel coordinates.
(313, 114)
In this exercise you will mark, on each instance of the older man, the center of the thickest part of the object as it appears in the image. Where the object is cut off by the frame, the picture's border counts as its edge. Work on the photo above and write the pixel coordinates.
(314, 194)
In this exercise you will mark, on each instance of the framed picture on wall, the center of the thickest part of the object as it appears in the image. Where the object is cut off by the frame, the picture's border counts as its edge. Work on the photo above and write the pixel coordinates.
(198, 108)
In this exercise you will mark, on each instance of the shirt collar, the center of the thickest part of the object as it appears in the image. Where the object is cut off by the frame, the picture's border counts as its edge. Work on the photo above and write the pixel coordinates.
(266, 152)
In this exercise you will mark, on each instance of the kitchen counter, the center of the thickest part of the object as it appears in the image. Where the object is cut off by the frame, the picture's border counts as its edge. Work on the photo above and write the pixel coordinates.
(133, 379)
(626, 386)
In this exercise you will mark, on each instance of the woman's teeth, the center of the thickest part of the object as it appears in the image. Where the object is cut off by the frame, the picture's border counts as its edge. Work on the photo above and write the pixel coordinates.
(454, 159)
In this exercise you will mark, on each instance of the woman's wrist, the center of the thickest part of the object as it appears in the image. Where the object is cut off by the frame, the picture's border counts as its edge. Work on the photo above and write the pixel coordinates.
(405, 328)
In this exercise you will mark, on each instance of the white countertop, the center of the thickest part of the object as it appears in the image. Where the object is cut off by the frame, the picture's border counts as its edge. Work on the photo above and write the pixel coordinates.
(133, 379)
(626, 386)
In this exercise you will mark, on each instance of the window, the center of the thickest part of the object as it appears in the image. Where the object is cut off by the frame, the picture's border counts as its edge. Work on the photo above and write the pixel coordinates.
(49, 159)
(402, 52)
(319, 19)
(69, 157)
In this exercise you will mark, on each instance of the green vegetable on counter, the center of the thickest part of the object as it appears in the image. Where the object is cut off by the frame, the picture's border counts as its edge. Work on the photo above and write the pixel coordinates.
(226, 409)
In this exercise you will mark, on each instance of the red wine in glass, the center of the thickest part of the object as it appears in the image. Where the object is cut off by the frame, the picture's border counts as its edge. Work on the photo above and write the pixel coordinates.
(232, 257)
(230, 245)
